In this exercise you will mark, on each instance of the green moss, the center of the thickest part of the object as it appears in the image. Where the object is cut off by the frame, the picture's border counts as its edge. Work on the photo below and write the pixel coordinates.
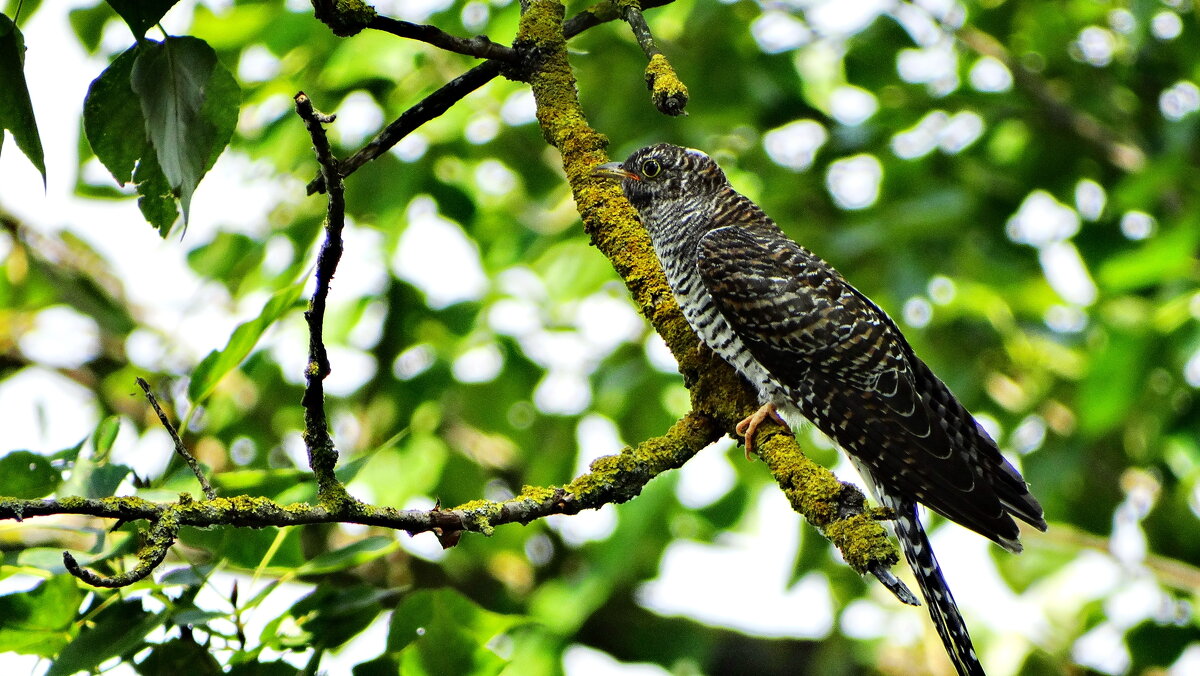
(344, 17)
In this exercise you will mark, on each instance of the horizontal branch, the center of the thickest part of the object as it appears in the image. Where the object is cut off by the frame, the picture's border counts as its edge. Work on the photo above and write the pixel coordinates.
(611, 479)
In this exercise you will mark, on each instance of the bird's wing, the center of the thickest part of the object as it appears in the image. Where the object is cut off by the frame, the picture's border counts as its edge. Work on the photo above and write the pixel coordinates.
(850, 367)
(802, 321)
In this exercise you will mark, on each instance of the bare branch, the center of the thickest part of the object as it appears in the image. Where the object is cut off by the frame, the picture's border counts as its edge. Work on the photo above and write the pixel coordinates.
(479, 46)
(1122, 153)
(322, 456)
(180, 449)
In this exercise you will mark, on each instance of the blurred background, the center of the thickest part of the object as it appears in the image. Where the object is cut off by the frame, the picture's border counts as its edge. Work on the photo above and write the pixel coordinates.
(1015, 182)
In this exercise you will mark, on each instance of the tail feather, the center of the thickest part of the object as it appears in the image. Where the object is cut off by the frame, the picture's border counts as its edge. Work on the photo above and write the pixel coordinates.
(939, 600)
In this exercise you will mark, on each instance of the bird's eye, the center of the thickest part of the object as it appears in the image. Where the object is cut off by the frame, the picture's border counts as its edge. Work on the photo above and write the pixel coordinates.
(651, 168)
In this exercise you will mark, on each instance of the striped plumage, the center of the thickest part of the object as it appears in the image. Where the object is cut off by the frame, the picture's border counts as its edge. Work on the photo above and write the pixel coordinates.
(816, 347)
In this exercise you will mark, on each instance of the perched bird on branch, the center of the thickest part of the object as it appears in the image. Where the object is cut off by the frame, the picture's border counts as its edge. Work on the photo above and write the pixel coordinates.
(817, 348)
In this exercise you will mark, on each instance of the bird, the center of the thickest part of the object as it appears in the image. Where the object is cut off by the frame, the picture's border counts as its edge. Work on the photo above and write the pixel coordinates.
(817, 348)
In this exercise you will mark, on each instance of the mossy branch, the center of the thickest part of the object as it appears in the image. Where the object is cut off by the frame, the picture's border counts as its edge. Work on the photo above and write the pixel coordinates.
(668, 94)
(611, 479)
(718, 393)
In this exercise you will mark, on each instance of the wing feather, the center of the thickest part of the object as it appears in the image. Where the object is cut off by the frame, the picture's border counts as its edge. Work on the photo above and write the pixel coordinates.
(853, 374)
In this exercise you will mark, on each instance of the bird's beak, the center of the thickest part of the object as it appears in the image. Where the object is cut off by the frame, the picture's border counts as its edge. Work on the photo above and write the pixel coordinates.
(614, 170)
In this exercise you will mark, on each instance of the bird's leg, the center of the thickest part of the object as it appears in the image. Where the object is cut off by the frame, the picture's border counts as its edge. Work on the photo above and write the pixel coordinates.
(748, 428)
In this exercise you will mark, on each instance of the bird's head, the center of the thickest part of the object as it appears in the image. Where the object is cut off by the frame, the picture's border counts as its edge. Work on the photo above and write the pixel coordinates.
(658, 175)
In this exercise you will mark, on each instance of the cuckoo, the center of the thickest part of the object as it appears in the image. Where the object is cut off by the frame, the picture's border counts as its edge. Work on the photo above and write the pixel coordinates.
(816, 348)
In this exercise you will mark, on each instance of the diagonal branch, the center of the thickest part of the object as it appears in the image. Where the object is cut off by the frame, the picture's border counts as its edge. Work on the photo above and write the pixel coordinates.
(479, 46)
(452, 92)
(717, 392)
(180, 449)
(1119, 151)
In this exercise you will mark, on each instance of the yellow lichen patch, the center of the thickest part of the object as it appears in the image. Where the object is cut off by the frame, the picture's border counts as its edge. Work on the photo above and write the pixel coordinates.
(667, 92)
(477, 515)
(862, 541)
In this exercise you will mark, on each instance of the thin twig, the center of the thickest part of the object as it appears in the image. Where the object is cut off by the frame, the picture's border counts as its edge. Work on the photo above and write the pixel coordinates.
(180, 449)
(631, 13)
(479, 46)
(159, 539)
(452, 92)
(322, 456)
(430, 107)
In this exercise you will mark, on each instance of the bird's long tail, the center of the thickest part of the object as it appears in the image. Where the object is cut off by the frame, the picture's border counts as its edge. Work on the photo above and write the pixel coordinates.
(939, 600)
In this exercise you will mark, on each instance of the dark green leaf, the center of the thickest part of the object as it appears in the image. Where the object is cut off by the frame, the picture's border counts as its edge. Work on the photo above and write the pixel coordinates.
(443, 632)
(27, 475)
(88, 23)
(179, 656)
(38, 622)
(156, 199)
(104, 479)
(228, 258)
(220, 362)
(16, 108)
(347, 557)
(119, 628)
(140, 15)
(1157, 645)
(263, 669)
(112, 118)
(190, 102)
(334, 616)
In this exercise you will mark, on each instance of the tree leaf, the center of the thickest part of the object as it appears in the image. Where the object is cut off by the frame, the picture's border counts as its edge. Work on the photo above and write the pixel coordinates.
(116, 630)
(140, 15)
(38, 622)
(213, 368)
(179, 656)
(352, 555)
(104, 436)
(440, 631)
(113, 120)
(16, 108)
(156, 200)
(27, 475)
(190, 103)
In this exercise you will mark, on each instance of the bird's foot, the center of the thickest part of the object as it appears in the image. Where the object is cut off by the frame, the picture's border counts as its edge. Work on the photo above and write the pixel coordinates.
(748, 428)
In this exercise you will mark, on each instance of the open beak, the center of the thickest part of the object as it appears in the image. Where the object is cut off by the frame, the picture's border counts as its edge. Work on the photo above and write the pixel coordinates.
(614, 170)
